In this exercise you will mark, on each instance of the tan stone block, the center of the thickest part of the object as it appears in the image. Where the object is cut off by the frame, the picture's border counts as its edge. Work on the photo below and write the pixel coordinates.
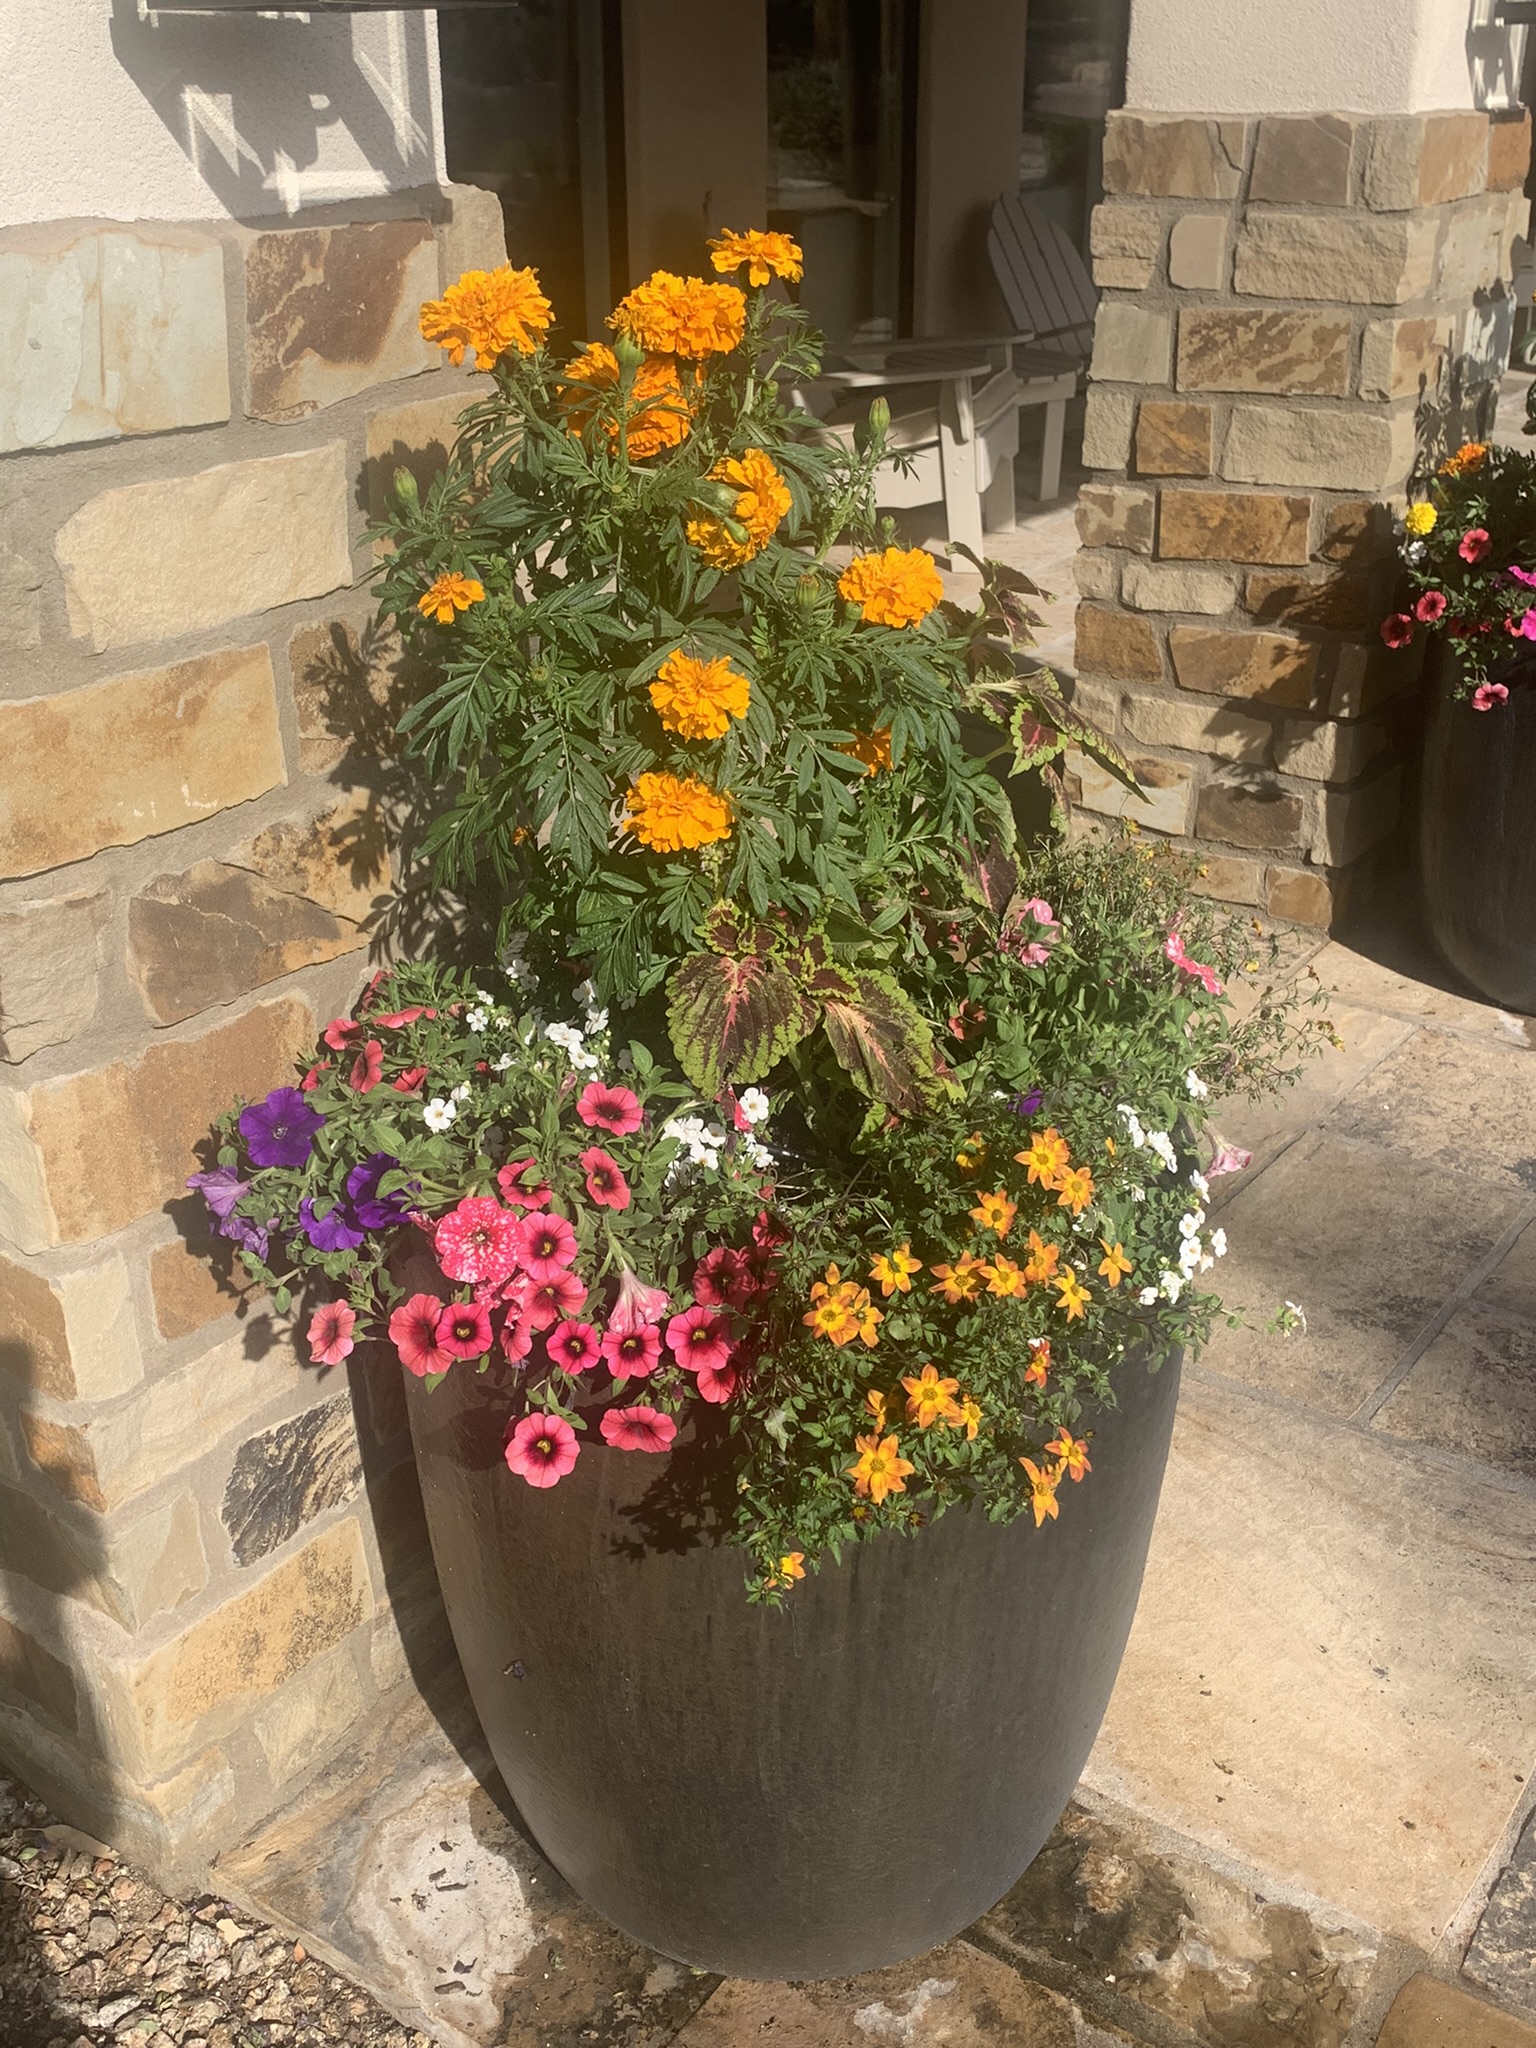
(1096, 576)
(1173, 439)
(1122, 273)
(1116, 516)
(150, 560)
(309, 1717)
(1255, 812)
(1367, 675)
(1356, 532)
(34, 1344)
(417, 437)
(1305, 895)
(1328, 449)
(352, 684)
(1217, 730)
(1339, 599)
(1126, 242)
(1112, 643)
(121, 761)
(1247, 348)
(146, 1115)
(1271, 667)
(1453, 162)
(1303, 160)
(332, 311)
(1344, 256)
(1229, 880)
(1097, 701)
(1236, 526)
(1171, 157)
(1131, 344)
(48, 970)
(129, 1570)
(194, 1284)
(1107, 422)
(72, 1338)
(107, 331)
(21, 601)
(1474, 249)
(1165, 587)
(1509, 149)
(474, 237)
(207, 1679)
(1169, 788)
(34, 1678)
(1400, 358)
(1352, 821)
(1322, 750)
(1197, 252)
(1430, 2014)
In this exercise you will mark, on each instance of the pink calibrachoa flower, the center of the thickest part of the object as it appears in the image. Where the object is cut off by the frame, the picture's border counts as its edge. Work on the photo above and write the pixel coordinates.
(1173, 947)
(1032, 948)
(637, 1305)
(1226, 1158)
(413, 1332)
(637, 1429)
(632, 1354)
(330, 1333)
(340, 1032)
(312, 1078)
(722, 1278)
(606, 1107)
(1523, 628)
(1431, 606)
(548, 1300)
(605, 1178)
(1397, 630)
(464, 1329)
(574, 1346)
(515, 1186)
(517, 1338)
(546, 1245)
(1487, 695)
(477, 1241)
(542, 1449)
(698, 1338)
(1474, 545)
(368, 1068)
(717, 1384)
(411, 1079)
(397, 1018)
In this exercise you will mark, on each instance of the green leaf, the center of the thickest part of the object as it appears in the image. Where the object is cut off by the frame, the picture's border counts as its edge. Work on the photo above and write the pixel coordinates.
(880, 1037)
(733, 1020)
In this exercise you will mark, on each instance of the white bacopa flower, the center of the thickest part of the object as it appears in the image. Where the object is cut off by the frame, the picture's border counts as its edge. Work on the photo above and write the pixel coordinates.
(586, 993)
(1138, 1194)
(626, 1061)
(757, 1154)
(486, 1000)
(477, 1020)
(1200, 1184)
(1189, 1255)
(1206, 1262)
(1190, 1222)
(1162, 1145)
(1298, 1312)
(1198, 1088)
(1132, 1122)
(1172, 1285)
(500, 1064)
(1219, 1243)
(519, 973)
(597, 1020)
(459, 1094)
(1415, 551)
(753, 1104)
(1147, 1296)
(439, 1113)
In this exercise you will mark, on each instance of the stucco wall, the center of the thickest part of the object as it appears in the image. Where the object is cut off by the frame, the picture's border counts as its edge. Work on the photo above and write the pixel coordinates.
(187, 117)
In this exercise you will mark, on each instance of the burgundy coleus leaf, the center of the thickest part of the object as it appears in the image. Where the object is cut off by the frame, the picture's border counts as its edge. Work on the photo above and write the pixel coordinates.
(733, 1019)
(883, 1041)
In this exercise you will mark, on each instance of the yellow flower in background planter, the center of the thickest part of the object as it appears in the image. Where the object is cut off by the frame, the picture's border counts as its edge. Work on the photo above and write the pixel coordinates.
(881, 1469)
(450, 594)
(1043, 1260)
(969, 1418)
(698, 699)
(1004, 1277)
(658, 415)
(893, 1271)
(898, 587)
(1042, 1491)
(681, 316)
(1047, 1156)
(761, 502)
(1419, 519)
(931, 1399)
(872, 748)
(962, 1282)
(1071, 1295)
(995, 1212)
(1071, 1453)
(486, 313)
(1076, 1189)
(675, 813)
(764, 251)
(1114, 1265)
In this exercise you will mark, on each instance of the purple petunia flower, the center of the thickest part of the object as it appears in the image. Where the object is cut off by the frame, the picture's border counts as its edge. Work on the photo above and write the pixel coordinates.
(335, 1232)
(370, 1209)
(281, 1130)
(251, 1235)
(220, 1189)
(1027, 1104)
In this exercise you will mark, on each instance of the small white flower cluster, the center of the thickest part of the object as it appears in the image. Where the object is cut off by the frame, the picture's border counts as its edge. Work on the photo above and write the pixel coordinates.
(573, 1043)
(1196, 1255)
(753, 1104)
(443, 1110)
(700, 1142)
(586, 995)
(514, 966)
(1198, 1089)
(1157, 1142)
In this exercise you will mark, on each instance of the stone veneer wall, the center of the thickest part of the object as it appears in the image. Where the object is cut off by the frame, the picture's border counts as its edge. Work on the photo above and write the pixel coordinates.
(208, 1552)
(1297, 313)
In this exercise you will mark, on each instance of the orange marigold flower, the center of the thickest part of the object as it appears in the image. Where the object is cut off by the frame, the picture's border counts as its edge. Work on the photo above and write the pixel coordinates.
(872, 748)
(995, 1212)
(486, 313)
(1043, 1260)
(931, 1399)
(1039, 1362)
(970, 1419)
(1470, 456)
(761, 502)
(450, 594)
(1114, 1265)
(655, 415)
(959, 1283)
(681, 316)
(893, 1270)
(765, 252)
(671, 813)
(897, 587)
(698, 699)
(1047, 1154)
(1071, 1295)
(881, 1469)
(1042, 1491)
(1076, 1189)
(1004, 1277)
(1072, 1452)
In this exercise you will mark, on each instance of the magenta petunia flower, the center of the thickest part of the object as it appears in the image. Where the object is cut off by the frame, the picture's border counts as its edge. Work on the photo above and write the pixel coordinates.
(698, 1338)
(413, 1332)
(542, 1449)
(1397, 630)
(1431, 606)
(632, 1354)
(368, 1067)
(521, 1185)
(517, 1338)
(637, 1429)
(548, 1300)
(718, 1385)
(340, 1032)
(637, 1305)
(281, 1130)
(330, 1333)
(1487, 695)
(573, 1346)
(605, 1178)
(464, 1329)
(477, 1241)
(1474, 544)
(723, 1279)
(546, 1245)
(607, 1107)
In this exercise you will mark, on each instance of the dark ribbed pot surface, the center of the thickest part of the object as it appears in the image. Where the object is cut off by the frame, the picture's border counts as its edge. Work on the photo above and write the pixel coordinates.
(1477, 837)
(795, 1793)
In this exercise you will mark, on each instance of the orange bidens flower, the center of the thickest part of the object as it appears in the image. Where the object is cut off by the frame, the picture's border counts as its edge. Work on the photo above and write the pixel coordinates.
(931, 1399)
(488, 312)
(898, 587)
(1039, 1362)
(1114, 1265)
(1004, 1277)
(872, 748)
(1042, 1491)
(450, 594)
(972, 1156)
(959, 1283)
(1043, 1260)
(761, 502)
(1470, 456)
(765, 251)
(842, 1310)
(681, 316)
(698, 699)
(791, 1567)
(655, 414)
(874, 1401)
(970, 1419)
(1071, 1295)
(1072, 1452)
(881, 1469)
(671, 813)
(1076, 1186)
(995, 1212)
(893, 1271)
(1047, 1156)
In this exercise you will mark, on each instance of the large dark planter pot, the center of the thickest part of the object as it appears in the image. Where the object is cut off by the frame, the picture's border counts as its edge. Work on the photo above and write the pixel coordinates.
(1477, 836)
(796, 1793)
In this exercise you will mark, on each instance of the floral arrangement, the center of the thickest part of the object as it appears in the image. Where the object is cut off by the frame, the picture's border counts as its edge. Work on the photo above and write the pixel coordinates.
(1469, 549)
(804, 1108)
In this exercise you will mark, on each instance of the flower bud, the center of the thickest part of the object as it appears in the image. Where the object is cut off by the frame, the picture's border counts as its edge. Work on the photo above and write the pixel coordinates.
(405, 488)
(879, 417)
(807, 591)
(627, 353)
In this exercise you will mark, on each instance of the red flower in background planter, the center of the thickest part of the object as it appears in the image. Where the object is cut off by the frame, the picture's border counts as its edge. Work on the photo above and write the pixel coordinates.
(1487, 695)
(464, 1329)
(1430, 607)
(605, 1178)
(632, 1354)
(1397, 631)
(330, 1333)
(607, 1108)
(574, 1346)
(368, 1068)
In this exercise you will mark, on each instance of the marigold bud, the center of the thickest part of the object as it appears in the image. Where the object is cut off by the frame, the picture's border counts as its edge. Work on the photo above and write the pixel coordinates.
(879, 416)
(405, 488)
(628, 354)
(807, 591)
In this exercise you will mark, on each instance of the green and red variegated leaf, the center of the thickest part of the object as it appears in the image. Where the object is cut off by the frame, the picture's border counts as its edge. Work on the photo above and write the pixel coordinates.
(881, 1039)
(1042, 704)
(733, 1020)
(727, 928)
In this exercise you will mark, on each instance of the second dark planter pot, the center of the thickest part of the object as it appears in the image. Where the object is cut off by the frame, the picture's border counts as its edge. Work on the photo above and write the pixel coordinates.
(807, 1792)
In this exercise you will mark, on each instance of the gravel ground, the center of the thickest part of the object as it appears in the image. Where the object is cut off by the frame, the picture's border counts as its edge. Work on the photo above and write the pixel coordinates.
(92, 1953)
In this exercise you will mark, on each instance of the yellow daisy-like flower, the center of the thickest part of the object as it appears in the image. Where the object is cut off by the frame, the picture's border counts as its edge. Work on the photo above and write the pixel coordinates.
(970, 1419)
(995, 1212)
(892, 1271)
(972, 1156)
(1043, 1260)
(675, 813)
(791, 1567)
(1469, 457)
(486, 313)
(931, 1399)
(1047, 1156)
(1071, 1295)
(881, 1469)
(1075, 1184)
(874, 1401)
(1004, 1277)
(1042, 1491)
(450, 594)
(1071, 1452)
(656, 416)
(1114, 1265)
(761, 502)
(1039, 1366)
(681, 316)
(962, 1282)
(698, 699)
(897, 587)
(1420, 519)
(765, 252)
(872, 748)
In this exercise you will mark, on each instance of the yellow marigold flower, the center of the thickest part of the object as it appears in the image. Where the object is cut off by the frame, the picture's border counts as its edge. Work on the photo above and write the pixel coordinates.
(893, 1270)
(681, 316)
(881, 1469)
(656, 415)
(1042, 1491)
(1072, 1453)
(1114, 1265)
(959, 1283)
(761, 502)
(1071, 1295)
(1043, 1260)
(1420, 519)
(1469, 457)
(450, 594)
(698, 699)
(1076, 1189)
(671, 813)
(931, 1399)
(1047, 1155)
(995, 1212)
(872, 748)
(1039, 1362)
(972, 1156)
(488, 312)
(766, 253)
(969, 1419)
(897, 587)
(1004, 1277)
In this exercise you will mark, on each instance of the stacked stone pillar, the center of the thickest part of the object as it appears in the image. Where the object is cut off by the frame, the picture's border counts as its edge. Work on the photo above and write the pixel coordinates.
(1299, 313)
